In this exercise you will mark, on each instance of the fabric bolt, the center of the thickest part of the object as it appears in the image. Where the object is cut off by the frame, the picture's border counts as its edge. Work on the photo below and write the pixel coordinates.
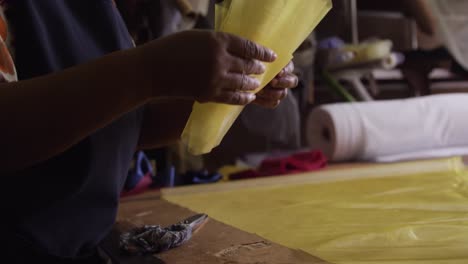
(393, 130)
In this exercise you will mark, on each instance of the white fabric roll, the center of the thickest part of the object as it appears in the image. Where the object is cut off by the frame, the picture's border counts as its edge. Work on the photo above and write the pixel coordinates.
(387, 131)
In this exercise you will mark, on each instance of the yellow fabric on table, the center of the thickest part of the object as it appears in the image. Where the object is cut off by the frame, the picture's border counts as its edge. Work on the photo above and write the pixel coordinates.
(402, 213)
(281, 25)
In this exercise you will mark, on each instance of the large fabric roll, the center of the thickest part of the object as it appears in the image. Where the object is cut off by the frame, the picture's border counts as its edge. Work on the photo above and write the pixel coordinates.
(388, 131)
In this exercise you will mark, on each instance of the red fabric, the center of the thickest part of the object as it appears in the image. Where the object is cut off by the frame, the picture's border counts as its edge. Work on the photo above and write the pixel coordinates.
(141, 187)
(297, 163)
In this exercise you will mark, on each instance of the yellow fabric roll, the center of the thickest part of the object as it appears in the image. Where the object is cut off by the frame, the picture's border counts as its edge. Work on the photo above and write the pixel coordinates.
(281, 25)
(399, 213)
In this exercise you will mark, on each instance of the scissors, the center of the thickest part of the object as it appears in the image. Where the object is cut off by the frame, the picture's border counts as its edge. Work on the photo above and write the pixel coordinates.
(152, 239)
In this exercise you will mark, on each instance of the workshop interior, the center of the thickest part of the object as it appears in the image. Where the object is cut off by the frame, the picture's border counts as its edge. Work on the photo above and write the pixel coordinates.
(378, 82)
(363, 162)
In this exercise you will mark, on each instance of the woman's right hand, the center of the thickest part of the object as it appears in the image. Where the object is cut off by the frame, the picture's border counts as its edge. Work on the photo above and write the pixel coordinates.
(204, 65)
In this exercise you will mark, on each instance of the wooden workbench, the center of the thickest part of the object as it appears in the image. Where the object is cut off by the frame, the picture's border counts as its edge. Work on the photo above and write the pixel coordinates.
(220, 243)
(214, 243)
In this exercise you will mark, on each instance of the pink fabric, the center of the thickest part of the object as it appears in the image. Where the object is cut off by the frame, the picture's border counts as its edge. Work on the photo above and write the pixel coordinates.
(297, 163)
(141, 187)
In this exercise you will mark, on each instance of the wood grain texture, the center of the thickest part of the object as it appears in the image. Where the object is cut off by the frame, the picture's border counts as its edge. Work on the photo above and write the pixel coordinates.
(215, 243)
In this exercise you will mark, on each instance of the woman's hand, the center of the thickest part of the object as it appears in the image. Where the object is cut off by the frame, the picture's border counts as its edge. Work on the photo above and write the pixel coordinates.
(206, 66)
(277, 89)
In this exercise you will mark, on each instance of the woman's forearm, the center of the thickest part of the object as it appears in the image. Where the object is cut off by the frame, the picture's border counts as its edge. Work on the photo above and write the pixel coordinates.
(43, 117)
(163, 122)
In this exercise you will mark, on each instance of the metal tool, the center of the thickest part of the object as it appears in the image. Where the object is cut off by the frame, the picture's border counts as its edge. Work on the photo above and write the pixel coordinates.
(196, 221)
(151, 239)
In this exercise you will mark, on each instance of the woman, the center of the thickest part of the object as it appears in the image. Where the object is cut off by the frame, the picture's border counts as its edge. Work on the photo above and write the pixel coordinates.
(75, 117)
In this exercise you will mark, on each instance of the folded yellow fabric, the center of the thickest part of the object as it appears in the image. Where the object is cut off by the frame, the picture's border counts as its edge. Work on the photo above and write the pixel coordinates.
(281, 25)
(400, 213)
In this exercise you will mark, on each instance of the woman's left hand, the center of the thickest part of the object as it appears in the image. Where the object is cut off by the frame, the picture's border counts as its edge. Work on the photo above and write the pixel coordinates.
(272, 95)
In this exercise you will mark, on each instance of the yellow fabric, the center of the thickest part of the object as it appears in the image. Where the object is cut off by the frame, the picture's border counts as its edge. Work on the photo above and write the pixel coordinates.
(412, 217)
(369, 52)
(281, 25)
(227, 170)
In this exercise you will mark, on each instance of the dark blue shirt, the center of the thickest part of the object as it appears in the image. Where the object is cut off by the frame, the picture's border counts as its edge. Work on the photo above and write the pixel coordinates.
(66, 205)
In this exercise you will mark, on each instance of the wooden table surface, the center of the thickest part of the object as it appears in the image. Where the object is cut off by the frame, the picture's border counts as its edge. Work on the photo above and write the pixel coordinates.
(214, 243)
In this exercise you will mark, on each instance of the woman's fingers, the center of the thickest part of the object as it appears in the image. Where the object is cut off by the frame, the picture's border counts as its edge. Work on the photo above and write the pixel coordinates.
(247, 49)
(273, 94)
(236, 98)
(286, 82)
(246, 66)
